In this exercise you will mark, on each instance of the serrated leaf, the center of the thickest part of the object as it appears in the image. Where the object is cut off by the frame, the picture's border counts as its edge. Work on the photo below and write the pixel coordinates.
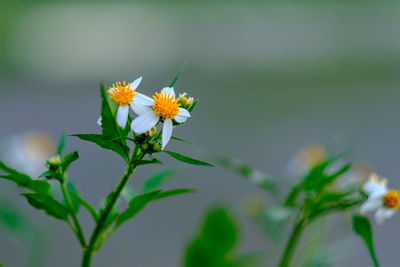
(135, 206)
(173, 192)
(158, 178)
(187, 159)
(105, 143)
(362, 227)
(61, 144)
(68, 159)
(24, 181)
(48, 204)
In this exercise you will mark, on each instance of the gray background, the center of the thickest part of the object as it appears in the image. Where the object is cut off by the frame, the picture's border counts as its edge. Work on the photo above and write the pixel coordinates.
(271, 77)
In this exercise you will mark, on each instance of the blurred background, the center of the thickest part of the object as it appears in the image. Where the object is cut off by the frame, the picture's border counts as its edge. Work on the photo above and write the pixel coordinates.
(271, 76)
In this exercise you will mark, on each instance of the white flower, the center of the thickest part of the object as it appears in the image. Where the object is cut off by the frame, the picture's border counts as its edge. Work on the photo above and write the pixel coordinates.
(162, 106)
(124, 95)
(385, 201)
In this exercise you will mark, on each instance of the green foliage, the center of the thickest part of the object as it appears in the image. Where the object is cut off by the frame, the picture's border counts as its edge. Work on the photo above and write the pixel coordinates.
(362, 227)
(68, 159)
(193, 106)
(92, 211)
(158, 178)
(250, 174)
(213, 246)
(145, 162)
(106, 143)
(24, 181)
(187, 160)
(48, 204)
(173, 192)
(135, 206)
(61, 144)
(74, 196)
(181, 140)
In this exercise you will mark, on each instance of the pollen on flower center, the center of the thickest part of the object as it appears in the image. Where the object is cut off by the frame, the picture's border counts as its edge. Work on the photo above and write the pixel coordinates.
(122, 94)
(165, 105)
(392, 199)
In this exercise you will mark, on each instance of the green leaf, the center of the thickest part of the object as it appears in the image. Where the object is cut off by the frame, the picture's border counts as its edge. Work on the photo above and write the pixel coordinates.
(48, 204)
(214, 243)
(193, 106)
(182, 67)
(105, 143)
(173, 192)
(7, 169)
(61, 144)
(110, 128)
(74, 195)
(135, 206)
(186, 159)
(181, 140)
(362, 227)
(158, 178)
(24, 181)
(92, 211)
(145, 162)
(250, 174)
(68, 159)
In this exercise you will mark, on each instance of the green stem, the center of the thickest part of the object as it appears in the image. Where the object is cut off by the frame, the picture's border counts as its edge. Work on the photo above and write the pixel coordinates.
(78, 229)
(291, 244)
(89, 250)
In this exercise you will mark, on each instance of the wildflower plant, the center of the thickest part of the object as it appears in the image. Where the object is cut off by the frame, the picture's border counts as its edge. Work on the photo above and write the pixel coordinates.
(135, 139)
(318, 193)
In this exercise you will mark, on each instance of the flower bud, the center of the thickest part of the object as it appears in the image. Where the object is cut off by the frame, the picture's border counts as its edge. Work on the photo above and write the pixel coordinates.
(151, 132)
(186, 102)
(54, 161)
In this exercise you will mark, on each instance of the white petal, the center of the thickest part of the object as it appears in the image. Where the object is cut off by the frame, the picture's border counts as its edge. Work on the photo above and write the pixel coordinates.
(144, 122)
(167, 132)
(138, 108)
(169, 91)
(135, 83)
(182, 116)
(370, 205)
(122, 115)
(373, 186)
(143, 99)
(382, 214)
(99, 121)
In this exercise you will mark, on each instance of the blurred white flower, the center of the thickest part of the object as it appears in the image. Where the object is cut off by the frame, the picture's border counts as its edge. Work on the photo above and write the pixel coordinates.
(163, 106)
(385, 201)
(27, 152)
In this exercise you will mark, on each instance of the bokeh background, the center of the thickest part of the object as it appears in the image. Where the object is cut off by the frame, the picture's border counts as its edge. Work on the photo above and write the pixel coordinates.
(271, 76)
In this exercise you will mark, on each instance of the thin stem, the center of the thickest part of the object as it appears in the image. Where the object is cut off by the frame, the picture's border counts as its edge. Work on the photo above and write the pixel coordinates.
(292, 242)
(77, 229)
(89, 250)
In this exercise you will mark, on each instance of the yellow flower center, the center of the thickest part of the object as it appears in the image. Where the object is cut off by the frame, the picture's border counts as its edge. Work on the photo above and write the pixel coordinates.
(122, 94)
(392, 199)
(165, 105)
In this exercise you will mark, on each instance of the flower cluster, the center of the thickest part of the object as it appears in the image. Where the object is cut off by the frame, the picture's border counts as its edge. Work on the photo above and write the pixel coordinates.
(162, 107)
(380, 198)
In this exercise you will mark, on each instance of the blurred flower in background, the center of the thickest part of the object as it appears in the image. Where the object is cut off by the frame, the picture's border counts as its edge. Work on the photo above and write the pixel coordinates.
(27, 152)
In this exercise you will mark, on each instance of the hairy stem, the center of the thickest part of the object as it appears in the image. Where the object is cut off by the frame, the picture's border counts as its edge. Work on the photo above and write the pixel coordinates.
(77, 229)
(292, 242)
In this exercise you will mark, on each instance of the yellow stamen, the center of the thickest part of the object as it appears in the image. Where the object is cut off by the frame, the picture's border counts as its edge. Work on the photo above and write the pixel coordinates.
(165, 105)
(122, 94)
(392, 199)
